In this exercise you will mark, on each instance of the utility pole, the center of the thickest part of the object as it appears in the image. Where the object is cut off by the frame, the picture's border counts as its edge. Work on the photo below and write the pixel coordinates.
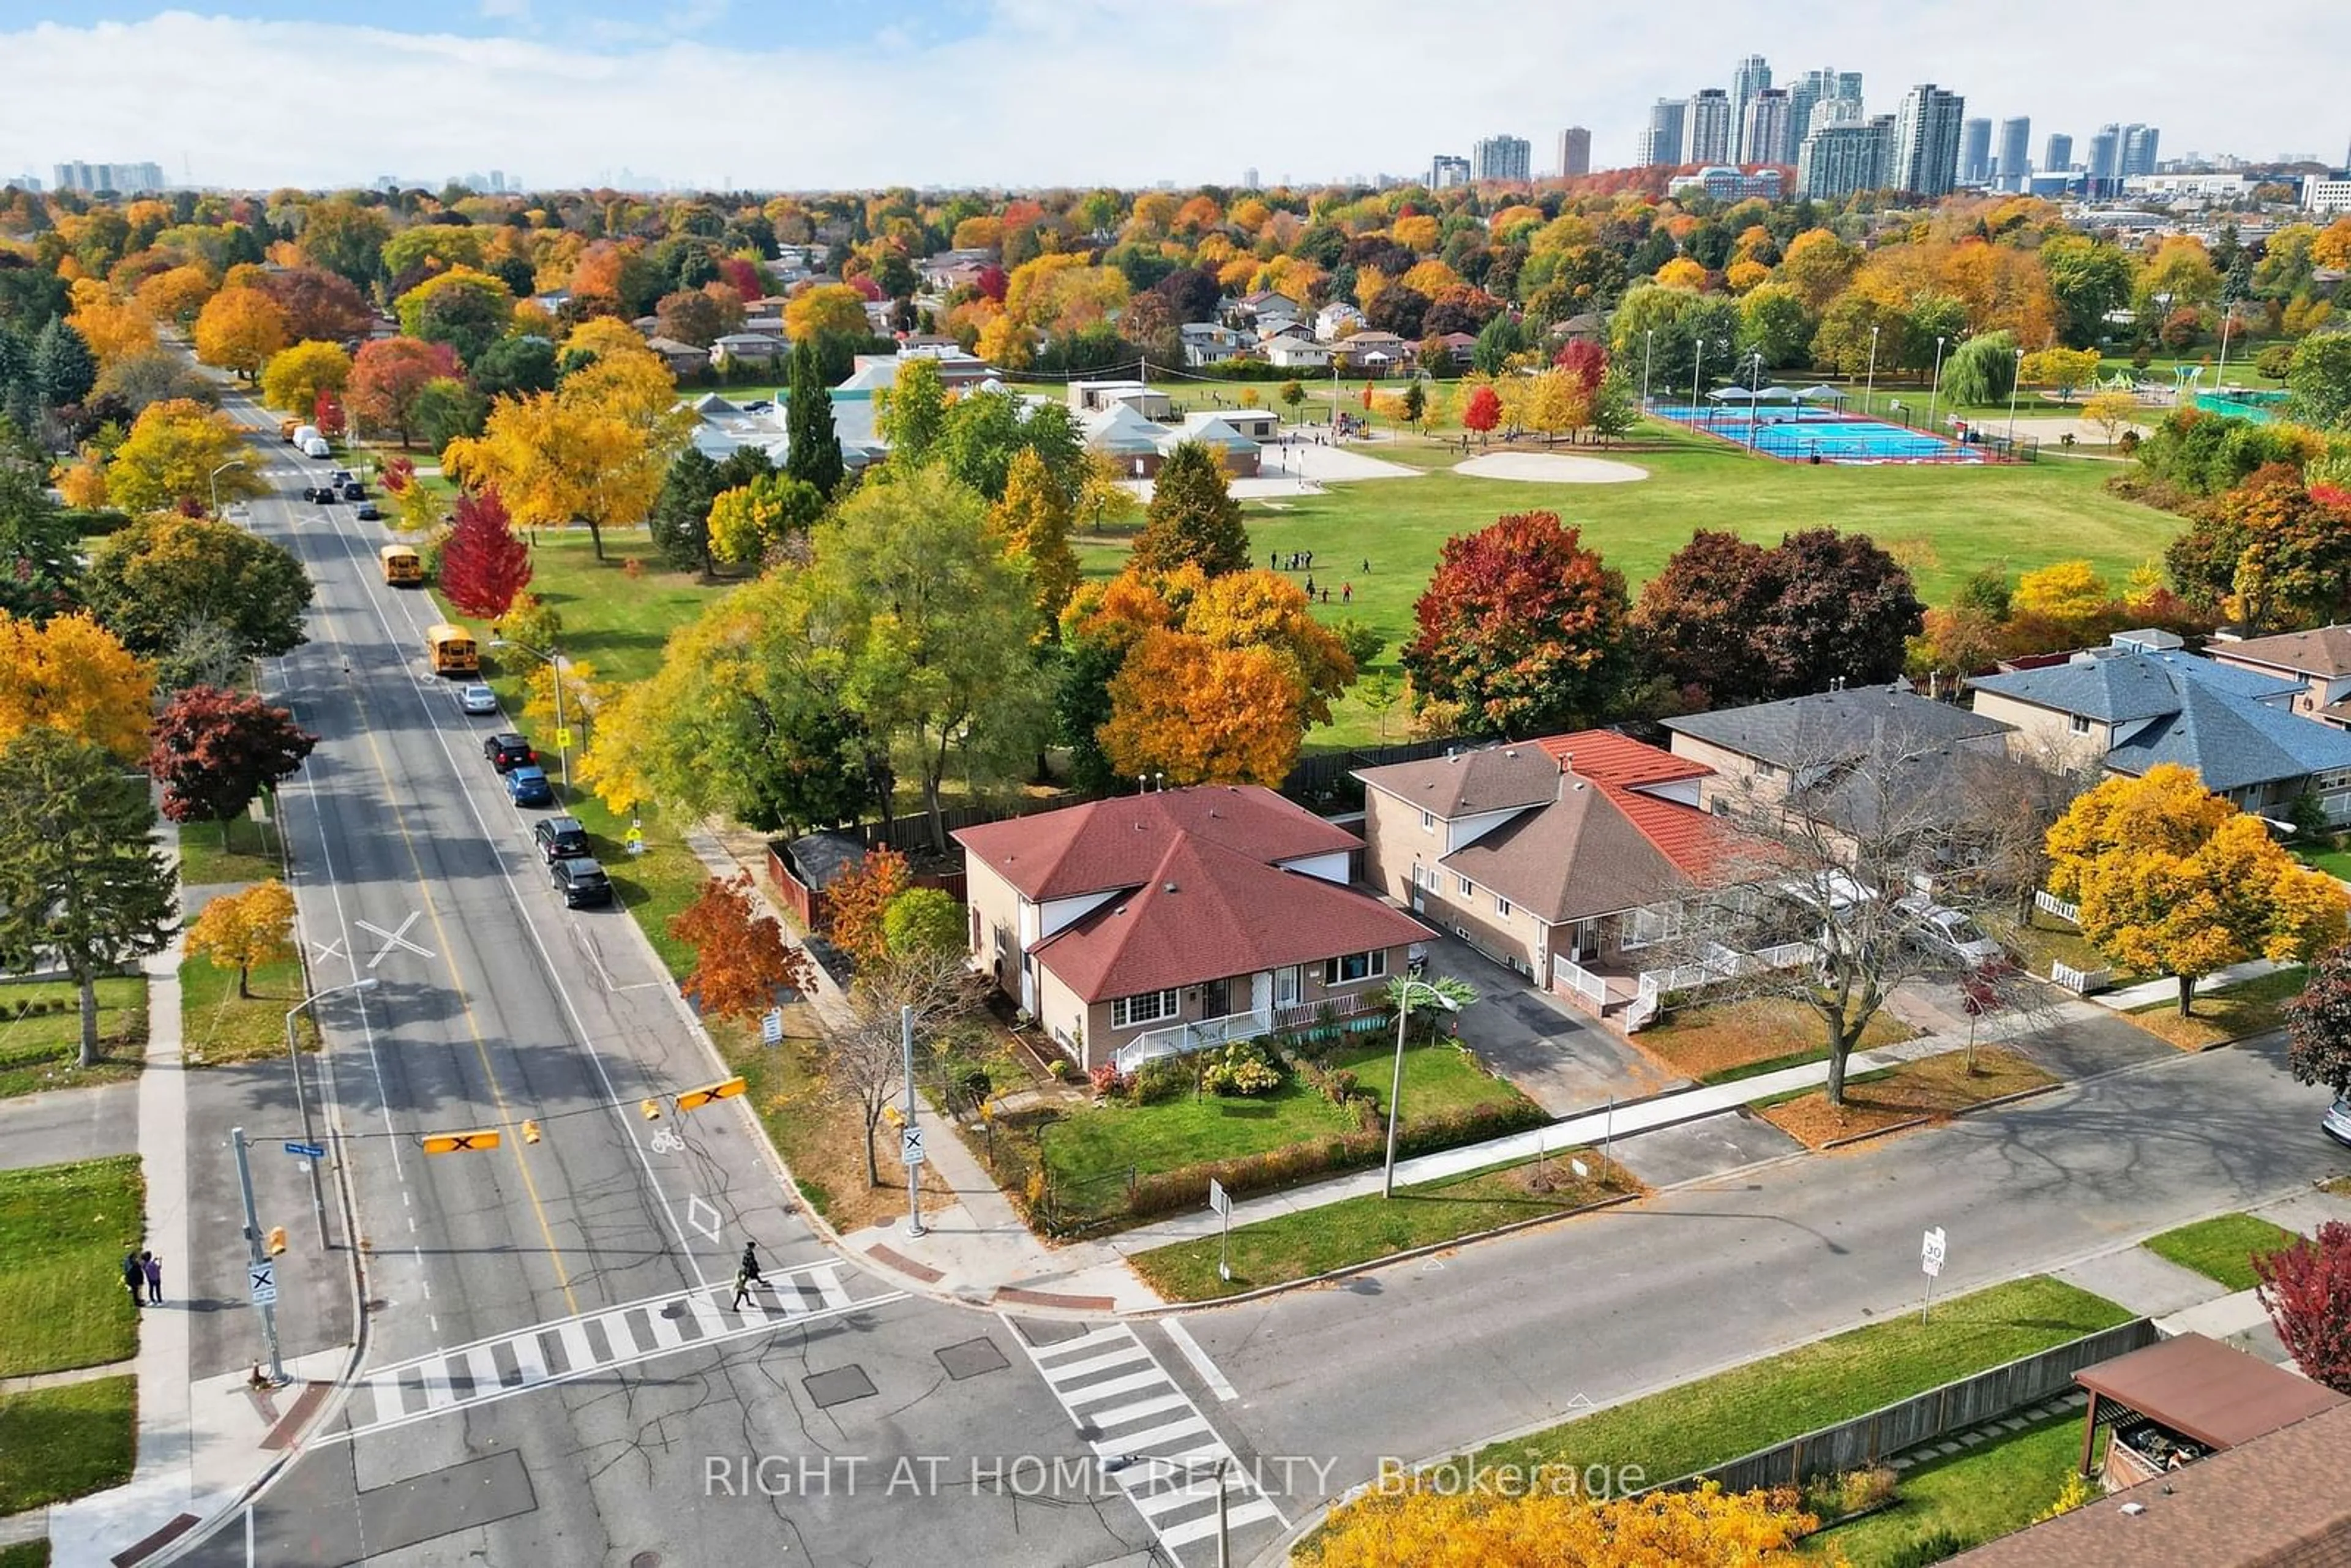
(914, 1167)
(253, 1251)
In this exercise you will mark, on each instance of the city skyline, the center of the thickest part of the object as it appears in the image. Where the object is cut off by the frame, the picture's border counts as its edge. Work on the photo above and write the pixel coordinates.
(568, 91)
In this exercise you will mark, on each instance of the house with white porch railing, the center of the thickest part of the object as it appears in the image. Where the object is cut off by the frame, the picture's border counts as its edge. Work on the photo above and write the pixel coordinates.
(1150, 925)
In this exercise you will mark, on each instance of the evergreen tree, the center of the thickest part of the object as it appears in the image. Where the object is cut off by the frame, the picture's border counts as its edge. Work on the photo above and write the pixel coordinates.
(813, 455)
(64, 369)
(680, 521)
(1193, 517)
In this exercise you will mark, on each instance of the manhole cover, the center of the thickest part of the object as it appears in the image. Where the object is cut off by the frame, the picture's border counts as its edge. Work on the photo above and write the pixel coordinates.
(972, 1358)
(837, 1386)
(645, 1560)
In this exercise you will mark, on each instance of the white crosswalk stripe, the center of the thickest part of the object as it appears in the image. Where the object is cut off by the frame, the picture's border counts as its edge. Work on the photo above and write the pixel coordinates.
(1164, 1452)
(465, 1376)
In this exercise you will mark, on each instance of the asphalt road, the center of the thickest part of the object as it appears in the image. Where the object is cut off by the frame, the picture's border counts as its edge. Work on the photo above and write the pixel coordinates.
(553, 1370)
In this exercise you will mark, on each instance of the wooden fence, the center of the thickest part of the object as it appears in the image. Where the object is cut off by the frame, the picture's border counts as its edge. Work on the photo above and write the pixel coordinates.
(1872, 1440)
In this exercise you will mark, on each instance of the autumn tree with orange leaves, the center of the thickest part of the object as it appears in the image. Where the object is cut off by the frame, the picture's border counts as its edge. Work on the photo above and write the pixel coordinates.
(740, 958)
(1556, 1526)
(857, 903)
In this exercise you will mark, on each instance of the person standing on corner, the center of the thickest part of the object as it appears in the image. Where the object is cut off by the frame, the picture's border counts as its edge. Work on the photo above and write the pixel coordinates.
(134, 1275)
(154, 1269)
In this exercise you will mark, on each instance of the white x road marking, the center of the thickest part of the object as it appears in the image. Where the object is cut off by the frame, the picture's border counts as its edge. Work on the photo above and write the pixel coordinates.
(393, 939)
(321, 952)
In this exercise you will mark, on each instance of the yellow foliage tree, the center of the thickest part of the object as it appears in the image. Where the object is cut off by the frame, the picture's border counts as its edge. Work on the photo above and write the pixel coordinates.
(1682, 273)
(179, 450)
(177, 294)
(1553, 1524)
(1417, 232)
(1430, 277)
(244, 930)
(828, 310)
(2332, 247)
(239, 329)
(2070, 593)
(72, 675)
(2061, 370)
(1033, 519)
(584, 694)
(83, 483)
(295, 377)
(114, 328)
(2173, 880)
(1058, 292)
(1555, 403)
(2112, 412)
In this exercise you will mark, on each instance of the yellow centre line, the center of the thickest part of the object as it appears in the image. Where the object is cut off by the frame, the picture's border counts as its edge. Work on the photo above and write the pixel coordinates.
(473, 1026)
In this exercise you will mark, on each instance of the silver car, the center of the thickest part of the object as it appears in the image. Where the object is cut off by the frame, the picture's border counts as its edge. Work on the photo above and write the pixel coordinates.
(1950, 930)
(2337, 1122)
(477, 698)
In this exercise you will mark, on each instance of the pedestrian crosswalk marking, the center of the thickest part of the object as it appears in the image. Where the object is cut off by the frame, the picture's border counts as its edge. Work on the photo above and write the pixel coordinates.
(462, 1377)
(1167, 1457)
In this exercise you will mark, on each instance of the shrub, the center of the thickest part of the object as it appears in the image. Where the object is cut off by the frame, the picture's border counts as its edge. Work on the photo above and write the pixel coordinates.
(1244, 1068)
(1062, 1069)
(1920, 1551)
(1161, 1079)
(1109, 1083)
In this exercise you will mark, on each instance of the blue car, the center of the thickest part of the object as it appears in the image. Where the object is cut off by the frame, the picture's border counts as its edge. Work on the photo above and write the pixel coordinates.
(529, 787)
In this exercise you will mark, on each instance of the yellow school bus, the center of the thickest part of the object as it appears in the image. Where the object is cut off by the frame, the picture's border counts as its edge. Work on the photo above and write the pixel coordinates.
(402, 567)
(451, 648)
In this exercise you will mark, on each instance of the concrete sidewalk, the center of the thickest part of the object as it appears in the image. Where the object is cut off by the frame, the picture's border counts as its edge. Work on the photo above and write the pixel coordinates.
(2150, 992)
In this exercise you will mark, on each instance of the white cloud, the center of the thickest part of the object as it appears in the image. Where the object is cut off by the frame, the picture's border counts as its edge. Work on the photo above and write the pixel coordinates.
(506, 10)
(1118, 91)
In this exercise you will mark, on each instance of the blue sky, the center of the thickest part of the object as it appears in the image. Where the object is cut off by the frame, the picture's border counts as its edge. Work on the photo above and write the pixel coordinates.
(813, 93)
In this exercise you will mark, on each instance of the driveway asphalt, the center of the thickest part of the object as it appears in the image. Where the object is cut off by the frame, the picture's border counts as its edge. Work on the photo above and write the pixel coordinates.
(1695, 1150)
(1561, 1061)
(62, 1125)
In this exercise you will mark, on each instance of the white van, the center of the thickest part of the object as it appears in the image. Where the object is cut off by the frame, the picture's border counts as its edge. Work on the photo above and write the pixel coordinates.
(304, 434)
(316, 446)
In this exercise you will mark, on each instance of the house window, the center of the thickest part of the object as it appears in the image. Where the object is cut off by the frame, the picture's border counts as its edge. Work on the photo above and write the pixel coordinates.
(1501, 906)
(1645, 926)
(1428, 821)
(1149, 1007)
(1354, 966)
(1461, 884)
(2078, 723)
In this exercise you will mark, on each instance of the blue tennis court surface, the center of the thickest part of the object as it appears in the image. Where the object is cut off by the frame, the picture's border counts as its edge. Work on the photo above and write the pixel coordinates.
(1806, 434)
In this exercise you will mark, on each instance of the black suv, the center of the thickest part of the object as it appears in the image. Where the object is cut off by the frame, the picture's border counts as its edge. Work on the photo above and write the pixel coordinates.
(559, 839)
(355, 491)
(506, 749)
(580, 881)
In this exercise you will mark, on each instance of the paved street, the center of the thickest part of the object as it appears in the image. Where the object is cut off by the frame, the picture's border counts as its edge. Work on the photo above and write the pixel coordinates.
(554, 1369)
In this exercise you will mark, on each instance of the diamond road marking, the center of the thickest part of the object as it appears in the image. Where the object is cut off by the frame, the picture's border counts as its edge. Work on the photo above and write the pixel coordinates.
(695, 1207)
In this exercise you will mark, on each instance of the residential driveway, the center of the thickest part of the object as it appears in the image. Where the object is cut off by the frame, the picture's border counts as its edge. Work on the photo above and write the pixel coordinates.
(1697, 1150)
(63, 1124)
(1561, 1061)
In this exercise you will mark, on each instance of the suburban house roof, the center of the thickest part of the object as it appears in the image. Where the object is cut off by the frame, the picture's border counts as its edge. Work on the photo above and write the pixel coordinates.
(1614, 758)
(1492, 779)
(2203, 1389)
(1591, 852)
(1115, 843)
(1833, 726)
(2325, 651)
(1204, 912)
(1120, 430)
(2213, 717)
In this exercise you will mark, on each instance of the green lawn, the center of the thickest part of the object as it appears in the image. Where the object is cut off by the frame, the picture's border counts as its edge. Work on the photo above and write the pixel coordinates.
(2222, 1248)
(1437, 1077)
(62, 1443)
(2046, 939)
(2336, 863)
(1976, 1496)
(221, 1027)
(40, 1034)
(1720, 1418)
(1097, 1142)
(610, 620)
(1295, 1246)
(251, 854)
(2252, 1006)
(26, 1554)
(63, 1231)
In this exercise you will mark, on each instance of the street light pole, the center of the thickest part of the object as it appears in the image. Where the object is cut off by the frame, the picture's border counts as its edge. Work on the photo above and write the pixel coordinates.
(1937, 393)
(1694, 370)
(554, 660)
(212, 481)
(1754, 391)
(294, 1061)
(1649, 356)
(253, 1252)
(914, 1172)
(1869, 396)
(2015, 375)
(1395, 1083)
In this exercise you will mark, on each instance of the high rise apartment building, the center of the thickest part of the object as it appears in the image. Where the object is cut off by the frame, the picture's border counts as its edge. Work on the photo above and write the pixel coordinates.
(1707, 127)
(1661, 143)
(1764, 136)
(1501, 158)
(1925, 156)
(1751, 75)
(1975, 153)
(1575, 151)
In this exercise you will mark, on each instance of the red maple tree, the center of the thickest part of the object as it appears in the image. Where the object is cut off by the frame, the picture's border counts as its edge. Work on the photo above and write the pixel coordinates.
(1586, 361)
(740, 958)
(858, 900)
(483, 565)
(1522, 628)
(215, 750)
(397, 474)
(1484, 412)
(326, 413)
(2306, 1286)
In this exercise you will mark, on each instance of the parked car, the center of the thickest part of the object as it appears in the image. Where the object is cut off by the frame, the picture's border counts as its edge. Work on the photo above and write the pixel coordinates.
(559, 839)
(506, 749)
(367, 512)
(476, 698)
(1949, 930)
(2337, 1122)
(529, 787)
(580, 881)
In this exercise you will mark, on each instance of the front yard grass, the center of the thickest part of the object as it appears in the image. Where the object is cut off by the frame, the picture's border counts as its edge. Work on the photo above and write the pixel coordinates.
(63, 1231)
(66, 1442)
(1714, 1420)
(221, 1028)
(251, 853)
(1360, 1229)
(2252, 1006)
(2045, 939)
(1976, 1496)
(1932, 1086)
(2222, 1248)
(1438, 1079)
(40, 1034)
(2335, 863)
(1718, 1042)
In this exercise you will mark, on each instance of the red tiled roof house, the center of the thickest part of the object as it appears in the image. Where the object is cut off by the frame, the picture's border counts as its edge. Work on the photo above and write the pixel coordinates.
(1564, 858)
(1149, 924)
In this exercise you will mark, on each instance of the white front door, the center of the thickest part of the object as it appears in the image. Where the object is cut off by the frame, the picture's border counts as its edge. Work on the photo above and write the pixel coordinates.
(1029, 984)
(1262, 991)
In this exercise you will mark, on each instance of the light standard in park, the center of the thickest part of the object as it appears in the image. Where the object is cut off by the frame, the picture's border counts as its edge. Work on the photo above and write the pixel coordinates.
(1649, 356)
(1754, 394)
(1932, 396)
(2016, 374)
(1405, 988)
(1869, 396)
(554, 659)
(212, 481)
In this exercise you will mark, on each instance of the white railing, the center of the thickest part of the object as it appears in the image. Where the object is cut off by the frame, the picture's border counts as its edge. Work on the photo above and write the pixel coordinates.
(1179, 1040)
(1716, 963)
(2050, 904)
(2081, 982)
(1567, 972)
(1343, 1005)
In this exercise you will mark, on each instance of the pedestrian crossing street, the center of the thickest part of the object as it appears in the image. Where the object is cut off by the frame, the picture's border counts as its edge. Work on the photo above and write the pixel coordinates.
(1155, 1442)
(428, 1386)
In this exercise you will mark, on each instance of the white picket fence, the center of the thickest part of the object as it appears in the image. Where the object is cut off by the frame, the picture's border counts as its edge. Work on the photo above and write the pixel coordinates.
(1567, 972)
(2081, 982)
(2071, 914)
